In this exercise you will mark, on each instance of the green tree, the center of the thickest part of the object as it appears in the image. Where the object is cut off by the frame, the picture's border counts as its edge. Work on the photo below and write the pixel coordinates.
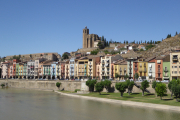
(141, 49)
(136, 76)
(144, 85)
(169, 35)
(116, 75)
(126, 76)
(102, 38)
(106, 51)
(121, 87)
(130, 85)
(100, 45)
(161, 89)
(107, 84)
(154, 84)
(30, 56)
(176, 91)
(170, 86)
(95, 52)
(90, 83)
(176, 33)
(99, 87)
(58, 84)
(65, 56)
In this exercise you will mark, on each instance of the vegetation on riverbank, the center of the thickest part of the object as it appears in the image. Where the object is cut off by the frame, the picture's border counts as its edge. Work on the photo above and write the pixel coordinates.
(137, 97)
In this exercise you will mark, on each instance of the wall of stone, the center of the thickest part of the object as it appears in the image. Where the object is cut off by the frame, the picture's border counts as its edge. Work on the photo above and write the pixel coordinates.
(66, 85)
(44, 85)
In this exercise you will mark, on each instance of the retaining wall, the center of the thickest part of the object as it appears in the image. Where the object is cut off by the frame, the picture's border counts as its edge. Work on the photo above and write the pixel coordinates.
(66, 85)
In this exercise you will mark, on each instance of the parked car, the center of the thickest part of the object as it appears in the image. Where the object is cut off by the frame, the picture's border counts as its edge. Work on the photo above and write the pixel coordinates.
(140, 80)
(157, 81)
(122, 81)
(110, 79)
(165, 81)
(131, 80)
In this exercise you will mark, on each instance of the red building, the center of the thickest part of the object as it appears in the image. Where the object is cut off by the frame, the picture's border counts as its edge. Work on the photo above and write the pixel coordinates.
(159, 68)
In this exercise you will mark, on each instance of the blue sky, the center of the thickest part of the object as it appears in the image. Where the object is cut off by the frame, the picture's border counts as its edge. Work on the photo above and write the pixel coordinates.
(35, 26)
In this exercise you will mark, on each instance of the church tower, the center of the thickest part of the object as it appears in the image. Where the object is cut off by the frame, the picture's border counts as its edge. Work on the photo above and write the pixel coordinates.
(85, 37)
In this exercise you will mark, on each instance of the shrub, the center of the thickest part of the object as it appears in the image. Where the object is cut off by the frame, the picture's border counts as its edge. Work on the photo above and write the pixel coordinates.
(2, 85)
(58, 84)
(77, 90)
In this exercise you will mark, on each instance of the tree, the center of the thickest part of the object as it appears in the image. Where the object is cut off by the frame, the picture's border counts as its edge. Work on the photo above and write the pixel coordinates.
(106, 51)
(121, 87)
(141, 49)
(176, 91)
(65, 56)
(170, 86)
(169, 35)
(100, 45)
(161, 89)
(99, 87)
(130, 85)
(176, 33)
(116, 75)
(144, 85)
(90, 83)
(136, 76)
(95, 52)
(154, 83)
(126, 76)
(102, 38)
(107, 84)
(58, 84)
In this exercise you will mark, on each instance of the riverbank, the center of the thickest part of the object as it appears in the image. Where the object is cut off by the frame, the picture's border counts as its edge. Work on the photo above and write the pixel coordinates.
(126, 103)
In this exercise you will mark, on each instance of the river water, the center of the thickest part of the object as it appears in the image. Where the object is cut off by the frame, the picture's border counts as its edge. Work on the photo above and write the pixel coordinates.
(23, 104)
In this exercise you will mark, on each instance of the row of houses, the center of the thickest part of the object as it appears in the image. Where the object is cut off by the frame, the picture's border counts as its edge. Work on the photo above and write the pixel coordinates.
(166, 67)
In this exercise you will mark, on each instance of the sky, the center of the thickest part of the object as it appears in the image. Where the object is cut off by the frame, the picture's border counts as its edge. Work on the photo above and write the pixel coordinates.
(37, 26)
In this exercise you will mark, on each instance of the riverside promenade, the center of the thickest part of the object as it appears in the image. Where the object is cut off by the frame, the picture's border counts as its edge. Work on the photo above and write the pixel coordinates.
(126, 103)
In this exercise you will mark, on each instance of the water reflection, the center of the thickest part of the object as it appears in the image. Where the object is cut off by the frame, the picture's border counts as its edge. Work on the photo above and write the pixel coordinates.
(22, 104)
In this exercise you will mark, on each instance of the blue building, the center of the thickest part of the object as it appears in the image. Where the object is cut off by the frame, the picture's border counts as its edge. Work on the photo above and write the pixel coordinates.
(53, 70)
(71, 71)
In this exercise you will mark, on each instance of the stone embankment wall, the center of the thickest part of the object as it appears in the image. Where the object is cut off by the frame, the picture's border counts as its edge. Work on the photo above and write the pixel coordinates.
(66, 85)
(44, 85)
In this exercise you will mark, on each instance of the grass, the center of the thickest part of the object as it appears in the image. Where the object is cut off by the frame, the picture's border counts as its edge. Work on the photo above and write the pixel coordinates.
(64, 91)
(137, 97)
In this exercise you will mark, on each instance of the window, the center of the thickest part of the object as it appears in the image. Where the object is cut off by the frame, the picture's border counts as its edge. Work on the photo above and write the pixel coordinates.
(172, 66)
(172, 72)
(175, 72)
(175, 66)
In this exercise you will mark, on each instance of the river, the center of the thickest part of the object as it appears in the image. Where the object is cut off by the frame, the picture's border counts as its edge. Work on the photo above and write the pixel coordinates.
(23, 104)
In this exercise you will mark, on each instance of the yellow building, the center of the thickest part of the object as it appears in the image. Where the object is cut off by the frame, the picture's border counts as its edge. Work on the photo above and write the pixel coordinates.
(120, 68)
(83, 68)
(142, 68)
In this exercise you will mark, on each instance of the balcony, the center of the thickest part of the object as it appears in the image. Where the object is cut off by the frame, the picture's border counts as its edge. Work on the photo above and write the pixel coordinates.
(120, 70)
(145, 70)
(140, 70)
(175, 58)
(135, 68)
(159, 71)
(165, 70)
(150, 71)
(130, 68)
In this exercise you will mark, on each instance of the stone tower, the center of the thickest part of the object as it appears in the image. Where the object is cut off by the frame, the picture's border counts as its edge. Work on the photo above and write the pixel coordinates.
(85, 37)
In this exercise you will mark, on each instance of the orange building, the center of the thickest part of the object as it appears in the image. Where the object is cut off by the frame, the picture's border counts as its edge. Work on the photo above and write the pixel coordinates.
(159, 68)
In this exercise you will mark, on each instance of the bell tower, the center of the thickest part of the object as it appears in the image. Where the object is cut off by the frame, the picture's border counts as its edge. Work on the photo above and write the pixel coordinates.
(85, 37)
